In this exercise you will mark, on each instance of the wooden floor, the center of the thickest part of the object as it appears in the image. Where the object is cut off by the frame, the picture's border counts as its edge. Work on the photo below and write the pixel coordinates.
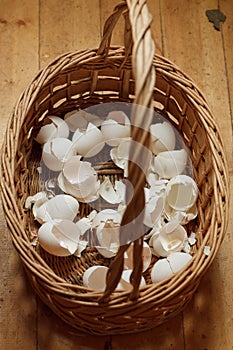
(32, 33)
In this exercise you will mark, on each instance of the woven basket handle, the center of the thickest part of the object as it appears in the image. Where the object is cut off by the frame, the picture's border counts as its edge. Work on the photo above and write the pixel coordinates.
(141, 117)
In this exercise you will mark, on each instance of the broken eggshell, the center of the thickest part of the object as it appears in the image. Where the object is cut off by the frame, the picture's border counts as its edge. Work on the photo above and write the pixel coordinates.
(153, 209)
(113, 195)
(183, 216)
(168, 240)
(125, 284)
(170, 163)
(95, 278)
(107, 224)
(79, 179)
(80, 120)
(146, 257)
(61, 206)
(166, 267)
(56, 152)
(116, 127)
(120, 155)
(89, 142)
(181, 193)
(163, 137)
(59, 237)
(53, 127)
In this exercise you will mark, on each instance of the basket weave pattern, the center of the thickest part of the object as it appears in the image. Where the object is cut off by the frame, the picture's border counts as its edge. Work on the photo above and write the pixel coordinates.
(86, 78)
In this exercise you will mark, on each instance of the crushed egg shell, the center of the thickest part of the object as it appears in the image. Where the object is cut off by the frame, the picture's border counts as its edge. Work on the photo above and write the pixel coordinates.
(146, 257)
(153, 210)
(80, 119)
(60, 237)
(53, 127)
(116, 127)
(178, 260)
(166, 267)
(163, 137)
(95, 277)
(113, 195)
(39, 197)
(120, 155)
(168, 164)
(56, 152)
(125, 284)
(79, 179)
(181, 193)
(164, 243)
(59, 207)
(89, 142)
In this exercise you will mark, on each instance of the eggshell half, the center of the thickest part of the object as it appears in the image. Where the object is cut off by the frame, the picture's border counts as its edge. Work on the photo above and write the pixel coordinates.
(95, 277)
(79, 179)
(163, 137)
(56, 152)
(146, 257)
(170, 163)
(125, 284)
(181, 193)
(80, 119)
(116, 127)
(88, 143)
(54, 127)
(161, 270)
(62, 206)
(49, 241)
(178, 260)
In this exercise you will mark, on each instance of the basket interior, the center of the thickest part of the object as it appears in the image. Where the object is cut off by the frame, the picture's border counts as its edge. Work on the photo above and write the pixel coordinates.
(92, 84)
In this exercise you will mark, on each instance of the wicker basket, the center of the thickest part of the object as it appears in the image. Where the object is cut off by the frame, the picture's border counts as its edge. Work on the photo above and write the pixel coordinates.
(89, 77)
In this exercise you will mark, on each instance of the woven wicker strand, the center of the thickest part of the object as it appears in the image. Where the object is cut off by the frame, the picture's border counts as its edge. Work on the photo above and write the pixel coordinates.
(79, 80)
(141, 118)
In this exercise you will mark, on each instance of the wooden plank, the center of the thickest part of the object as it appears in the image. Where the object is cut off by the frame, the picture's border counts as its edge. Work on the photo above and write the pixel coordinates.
(226, 6)
(73, 25)
(19, 63)
(198, 49)
(167, 336)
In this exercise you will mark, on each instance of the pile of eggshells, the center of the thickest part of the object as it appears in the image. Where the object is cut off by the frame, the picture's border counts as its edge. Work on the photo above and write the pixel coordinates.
(170, 195)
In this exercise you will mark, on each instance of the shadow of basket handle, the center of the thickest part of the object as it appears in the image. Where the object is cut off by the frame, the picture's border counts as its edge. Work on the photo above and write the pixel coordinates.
(141, 117)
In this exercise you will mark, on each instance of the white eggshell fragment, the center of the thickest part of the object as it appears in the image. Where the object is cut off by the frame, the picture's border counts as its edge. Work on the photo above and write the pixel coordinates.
(56, 152)
(39, 197)
(89, 142)
(109, 193)
(172, 240)
(116, 127)
(60, 237)
(80, 119)
(153, 210)
(59, 207)
(120, 155)
(170, 163)
(161, 270)
(162, 137)
(53, 127)
(95, 277)
(125, 284)
(107, 224)
(181, 193)
(178, 260)
(79, 179)
(146, 257)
